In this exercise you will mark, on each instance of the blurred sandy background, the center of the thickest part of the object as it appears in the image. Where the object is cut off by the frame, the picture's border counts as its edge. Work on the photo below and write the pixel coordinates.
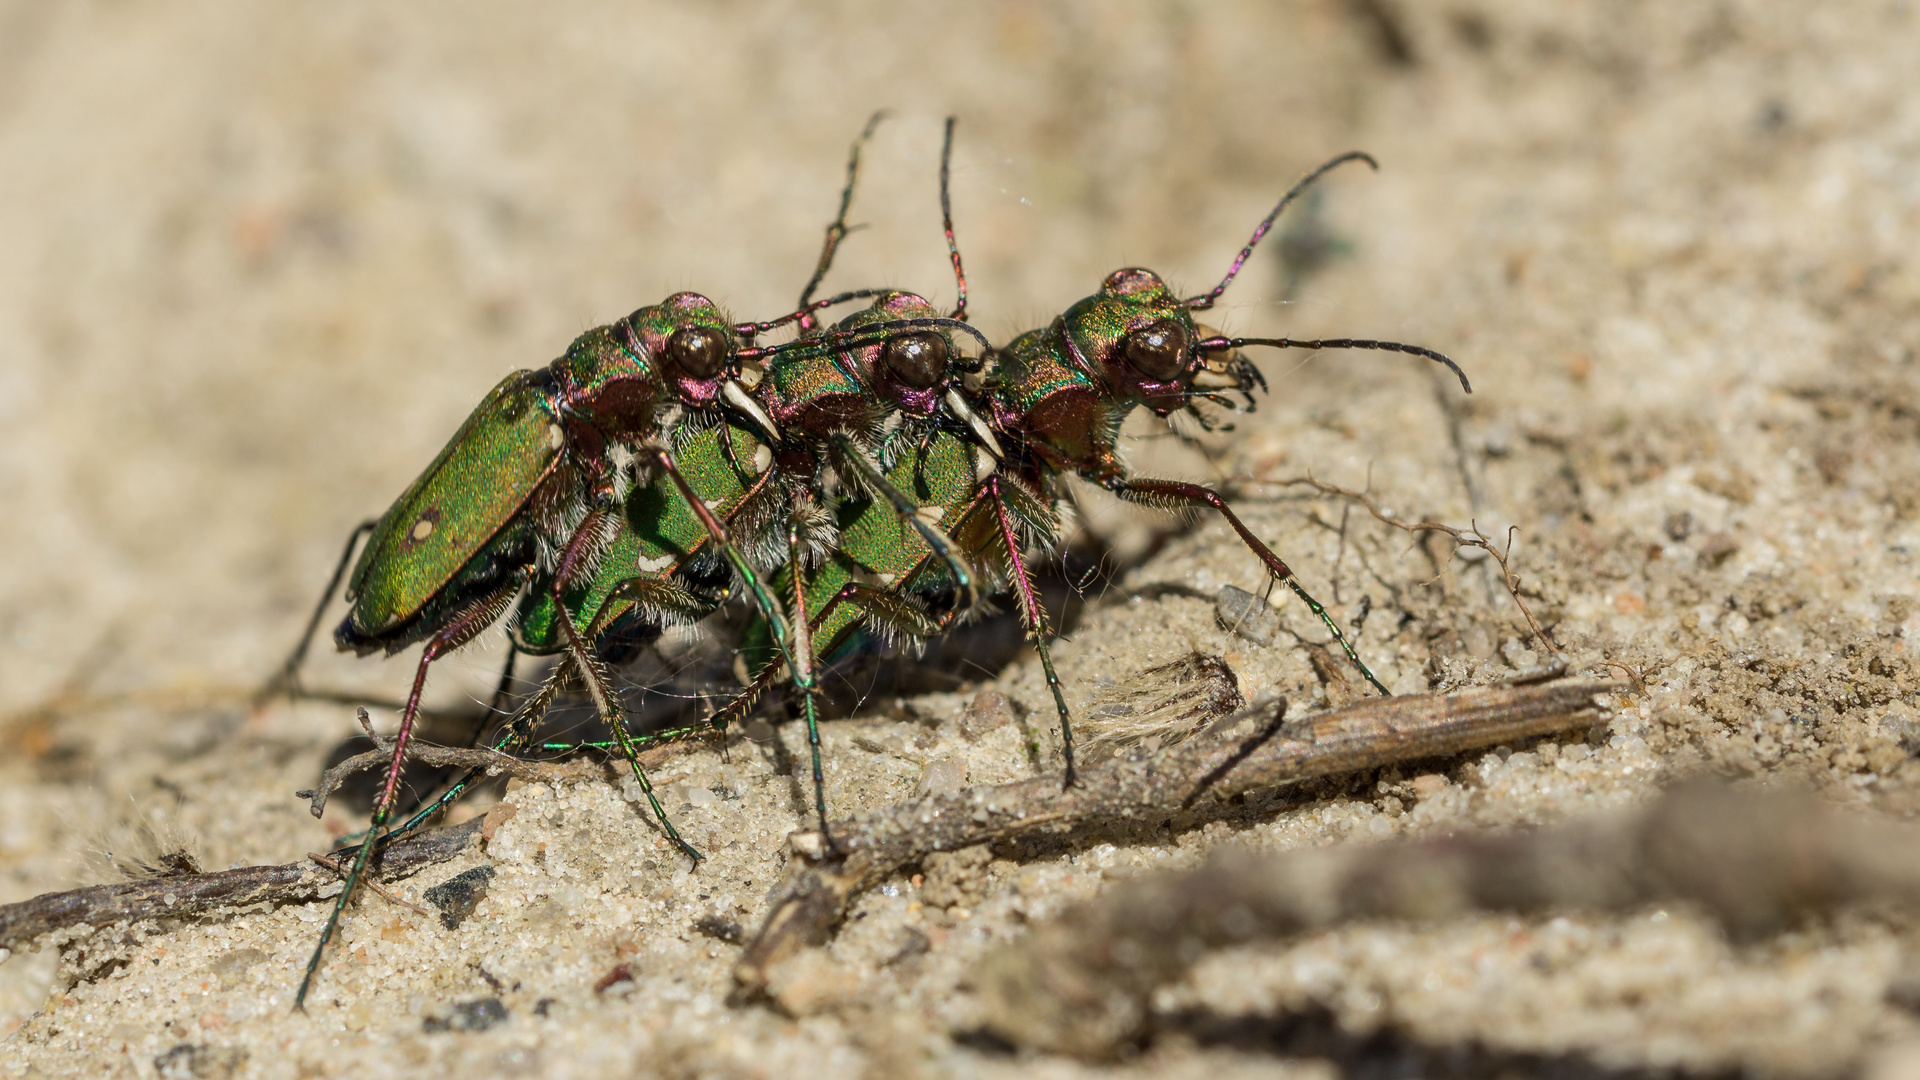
(258, 261)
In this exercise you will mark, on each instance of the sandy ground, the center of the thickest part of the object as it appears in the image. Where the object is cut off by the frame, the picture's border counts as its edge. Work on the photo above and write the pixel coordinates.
(260, 261)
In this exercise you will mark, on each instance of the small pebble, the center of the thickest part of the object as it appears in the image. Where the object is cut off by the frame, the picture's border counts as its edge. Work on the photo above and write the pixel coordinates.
(1241, 612)
(476, 1015)
(457, 896)
(941, 776)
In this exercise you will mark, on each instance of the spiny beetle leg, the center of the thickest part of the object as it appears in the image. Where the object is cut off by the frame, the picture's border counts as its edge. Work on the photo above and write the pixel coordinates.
(474, 618)
(511, 737)
(882, 605)
(589, 540)
(717, 535)
(642, 742)
(496, 704)
(1172, 493)
(1033, 615)
(287, 679)
(800, 662)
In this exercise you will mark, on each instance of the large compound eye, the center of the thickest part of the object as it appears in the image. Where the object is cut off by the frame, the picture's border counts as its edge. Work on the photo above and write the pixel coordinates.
(919, 360)
(700, 351)
(1158, 350)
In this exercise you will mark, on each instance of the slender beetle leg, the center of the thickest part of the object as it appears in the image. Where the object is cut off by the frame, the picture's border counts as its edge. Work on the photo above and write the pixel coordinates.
(589, 540)
(287, 679)
(801, 662)
(1035, 616)
(463, 628)
(1175, 493)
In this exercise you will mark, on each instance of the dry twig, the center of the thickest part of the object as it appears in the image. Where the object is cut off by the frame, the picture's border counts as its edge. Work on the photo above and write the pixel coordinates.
(1081, 983)
(183, 896)
(818, 885)
(387, 894)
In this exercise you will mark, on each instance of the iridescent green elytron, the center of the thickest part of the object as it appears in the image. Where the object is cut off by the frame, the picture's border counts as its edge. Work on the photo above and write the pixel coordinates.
(446, 535)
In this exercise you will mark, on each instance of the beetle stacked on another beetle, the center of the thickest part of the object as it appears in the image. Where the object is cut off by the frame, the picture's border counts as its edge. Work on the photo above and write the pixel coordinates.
(866, 474)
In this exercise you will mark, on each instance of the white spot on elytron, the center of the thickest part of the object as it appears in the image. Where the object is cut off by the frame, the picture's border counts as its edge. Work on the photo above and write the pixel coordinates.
(555, 437)
(421, 530)
(762, 458)
(931, 514)
(886, 579)
(653, 566)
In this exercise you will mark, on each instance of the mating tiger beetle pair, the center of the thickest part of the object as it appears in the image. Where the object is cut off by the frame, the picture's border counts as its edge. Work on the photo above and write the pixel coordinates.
(868, 478)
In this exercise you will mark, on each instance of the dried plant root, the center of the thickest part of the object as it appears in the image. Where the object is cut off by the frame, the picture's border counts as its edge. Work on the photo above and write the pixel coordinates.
(1471, 538)
(186, 896)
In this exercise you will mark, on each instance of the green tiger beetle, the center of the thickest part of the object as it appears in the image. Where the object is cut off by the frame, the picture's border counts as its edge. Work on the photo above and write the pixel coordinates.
(1064, 391)
(528, 494)
(1058, 398)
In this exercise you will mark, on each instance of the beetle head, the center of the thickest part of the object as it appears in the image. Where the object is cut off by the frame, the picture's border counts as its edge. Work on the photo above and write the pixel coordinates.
(1138, 341)
(690, 345)
(908, 369)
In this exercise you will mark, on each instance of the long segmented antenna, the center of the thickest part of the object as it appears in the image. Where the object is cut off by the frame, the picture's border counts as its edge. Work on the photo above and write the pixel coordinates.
(946, 222)
(1205, 300)
(750, 330)
(859, 335)
(837, 231)
(1210, 344)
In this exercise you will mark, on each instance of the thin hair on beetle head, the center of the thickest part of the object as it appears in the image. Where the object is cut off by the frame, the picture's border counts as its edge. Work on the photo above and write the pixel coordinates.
(751, 330)
(871, 333)
(1205, 300)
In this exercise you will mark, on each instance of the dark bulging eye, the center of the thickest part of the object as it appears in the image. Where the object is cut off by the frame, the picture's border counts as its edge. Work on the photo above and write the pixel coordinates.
(1158, 350)
(700, 351)
(919, 360)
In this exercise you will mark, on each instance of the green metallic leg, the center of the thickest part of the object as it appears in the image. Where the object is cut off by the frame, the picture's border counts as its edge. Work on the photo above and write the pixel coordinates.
(462, 629)
(581, 552)
(651, 738)
(797, 654)
(1034, 616)
(511, 737)
(648, 593)
(498, 702)
(800, 662)
(723, 542)
(1174, 493)
(884, 605)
